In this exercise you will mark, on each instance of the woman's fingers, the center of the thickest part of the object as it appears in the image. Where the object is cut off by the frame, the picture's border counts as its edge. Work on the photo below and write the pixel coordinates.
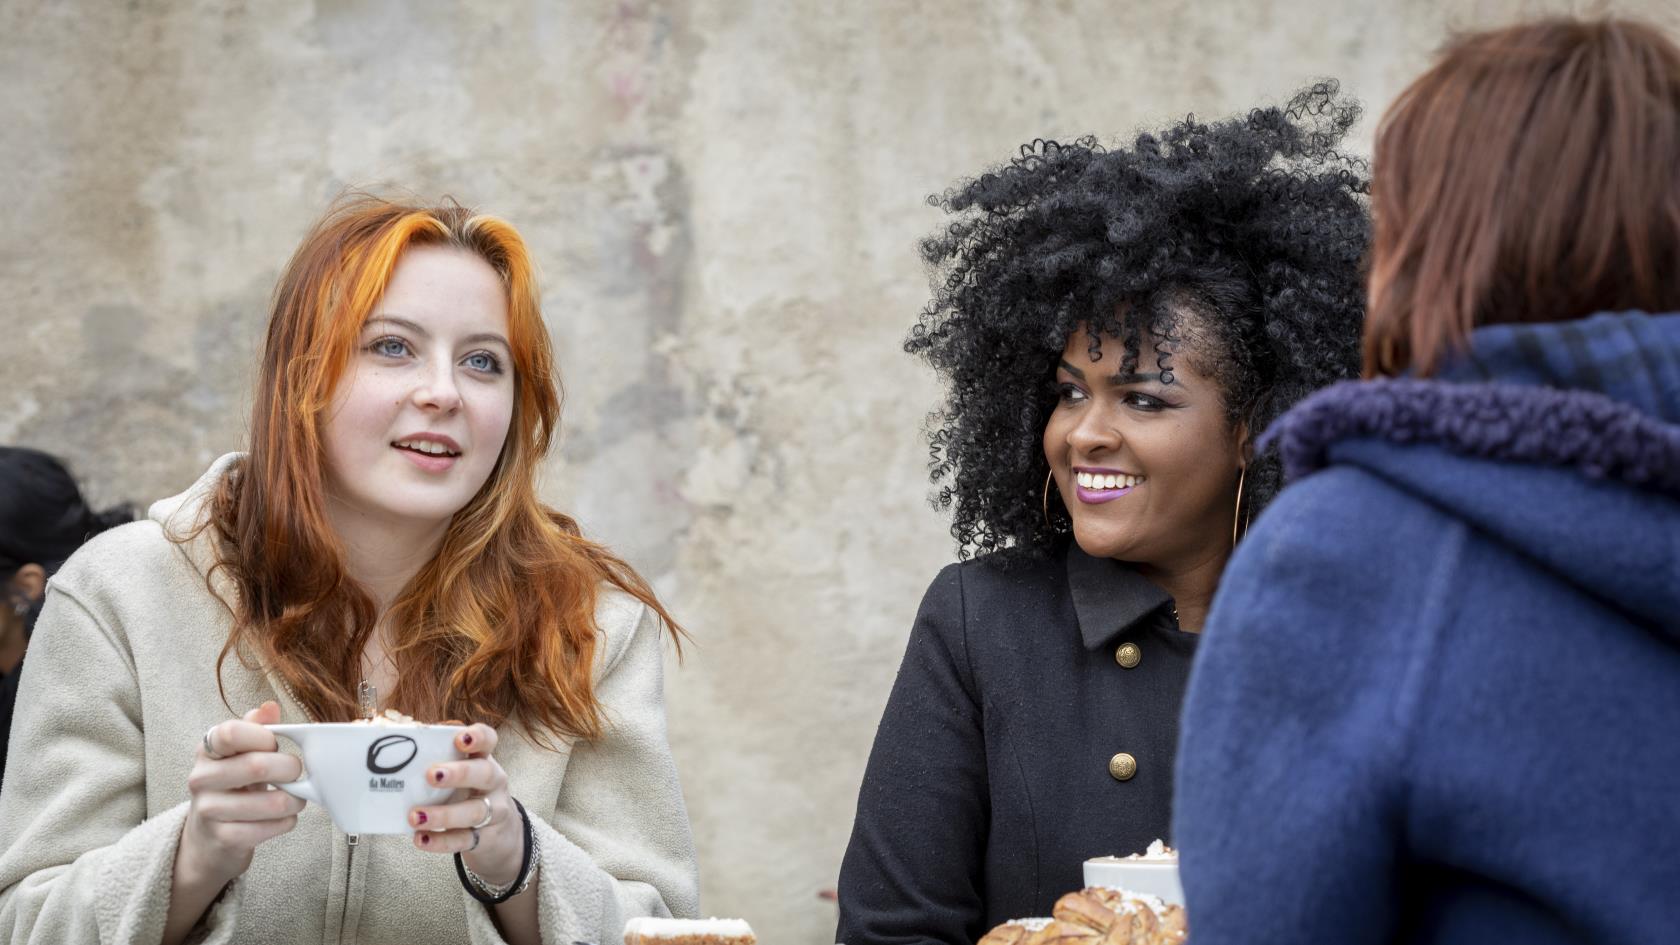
(461, 814)
(444, 841)
(477, 774)
(448, 828)
(247, 806)
(229, 817)
(233, 737)
(246, 834)
(253, 767)
(477, 740)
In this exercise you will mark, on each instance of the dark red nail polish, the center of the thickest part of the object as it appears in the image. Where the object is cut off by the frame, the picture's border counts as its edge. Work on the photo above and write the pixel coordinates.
(437, 776)
(466, 739)
(419, 816)
(425, 839)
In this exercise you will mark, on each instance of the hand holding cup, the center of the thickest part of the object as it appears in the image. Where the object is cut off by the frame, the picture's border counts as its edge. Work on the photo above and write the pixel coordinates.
(479, 821)
(233, 810)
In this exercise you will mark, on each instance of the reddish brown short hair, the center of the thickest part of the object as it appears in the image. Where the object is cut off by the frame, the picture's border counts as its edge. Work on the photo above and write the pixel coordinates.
(1531, 175)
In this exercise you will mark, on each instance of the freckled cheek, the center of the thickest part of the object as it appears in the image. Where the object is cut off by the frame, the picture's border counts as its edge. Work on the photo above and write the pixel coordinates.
(362, 416)
(494, 421)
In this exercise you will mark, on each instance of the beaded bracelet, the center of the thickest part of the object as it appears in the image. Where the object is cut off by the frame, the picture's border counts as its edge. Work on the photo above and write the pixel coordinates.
(493, 895)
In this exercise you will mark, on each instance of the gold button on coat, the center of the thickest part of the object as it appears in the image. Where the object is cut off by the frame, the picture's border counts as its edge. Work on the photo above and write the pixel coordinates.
(1122, 767)
(1128, 655)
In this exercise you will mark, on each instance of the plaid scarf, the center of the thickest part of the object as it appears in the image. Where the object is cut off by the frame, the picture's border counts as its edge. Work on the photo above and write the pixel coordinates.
(1601, 395)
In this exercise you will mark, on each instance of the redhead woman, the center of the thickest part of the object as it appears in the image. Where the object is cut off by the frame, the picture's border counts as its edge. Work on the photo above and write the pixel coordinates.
(1439, 690)
(382, 532)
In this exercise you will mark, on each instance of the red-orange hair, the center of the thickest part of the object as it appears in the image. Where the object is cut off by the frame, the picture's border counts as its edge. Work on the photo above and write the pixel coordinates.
(1531, 175)
(500, 623)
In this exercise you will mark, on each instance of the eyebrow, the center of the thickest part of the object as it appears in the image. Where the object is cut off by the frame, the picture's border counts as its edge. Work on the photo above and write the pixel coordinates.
(1114, 379)
(478, 338)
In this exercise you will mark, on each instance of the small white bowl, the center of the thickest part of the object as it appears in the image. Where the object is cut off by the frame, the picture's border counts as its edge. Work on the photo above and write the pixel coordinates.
(1158, 878)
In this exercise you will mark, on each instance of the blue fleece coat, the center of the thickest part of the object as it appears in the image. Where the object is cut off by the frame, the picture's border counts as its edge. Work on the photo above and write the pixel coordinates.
(1438, 695)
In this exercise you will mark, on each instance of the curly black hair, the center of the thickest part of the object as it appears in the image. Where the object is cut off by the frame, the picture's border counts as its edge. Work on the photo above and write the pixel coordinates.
(1243, 237)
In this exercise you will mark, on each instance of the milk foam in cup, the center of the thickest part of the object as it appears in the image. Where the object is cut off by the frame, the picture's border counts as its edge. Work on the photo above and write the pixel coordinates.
(370, 773)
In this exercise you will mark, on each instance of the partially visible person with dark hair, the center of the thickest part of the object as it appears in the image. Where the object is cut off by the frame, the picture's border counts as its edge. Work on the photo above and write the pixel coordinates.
(1439, 688)
(43, 518)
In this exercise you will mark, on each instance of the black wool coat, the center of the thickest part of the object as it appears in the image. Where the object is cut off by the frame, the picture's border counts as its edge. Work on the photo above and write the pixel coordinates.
(990, 780)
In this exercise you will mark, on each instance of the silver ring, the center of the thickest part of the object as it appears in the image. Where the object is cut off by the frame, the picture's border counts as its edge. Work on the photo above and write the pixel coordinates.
(208, 751)
(475, 839)
(488, 811)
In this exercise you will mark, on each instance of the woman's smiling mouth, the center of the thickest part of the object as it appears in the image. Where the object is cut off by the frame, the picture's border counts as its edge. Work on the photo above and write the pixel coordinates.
(1094, 486)
(431, 452)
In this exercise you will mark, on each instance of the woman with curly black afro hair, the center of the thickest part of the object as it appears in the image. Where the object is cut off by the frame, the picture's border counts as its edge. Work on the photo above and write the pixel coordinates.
(1115, 328)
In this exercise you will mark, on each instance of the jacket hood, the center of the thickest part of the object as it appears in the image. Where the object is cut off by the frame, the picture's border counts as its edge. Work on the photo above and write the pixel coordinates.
(1559, 440)
(183, 515)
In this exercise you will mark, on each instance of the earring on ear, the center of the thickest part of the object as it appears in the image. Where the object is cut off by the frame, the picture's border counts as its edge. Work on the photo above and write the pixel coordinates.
(1236, 516)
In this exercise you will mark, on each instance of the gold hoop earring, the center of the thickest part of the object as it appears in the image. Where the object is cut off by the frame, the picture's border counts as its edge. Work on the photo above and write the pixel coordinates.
(1048, 475)
(1236, 515)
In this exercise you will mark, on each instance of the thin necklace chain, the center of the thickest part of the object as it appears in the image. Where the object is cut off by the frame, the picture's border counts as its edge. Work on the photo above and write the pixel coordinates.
(367, 695)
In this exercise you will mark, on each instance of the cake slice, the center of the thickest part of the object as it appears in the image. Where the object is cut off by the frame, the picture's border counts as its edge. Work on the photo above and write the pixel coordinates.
(651, 931)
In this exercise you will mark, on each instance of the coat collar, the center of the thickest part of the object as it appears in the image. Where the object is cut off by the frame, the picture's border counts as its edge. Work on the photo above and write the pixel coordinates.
(1109, 597)
(185, 520)
(1600, 396)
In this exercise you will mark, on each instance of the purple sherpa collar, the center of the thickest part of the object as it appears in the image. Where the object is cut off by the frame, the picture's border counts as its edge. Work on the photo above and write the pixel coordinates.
(1601, 437)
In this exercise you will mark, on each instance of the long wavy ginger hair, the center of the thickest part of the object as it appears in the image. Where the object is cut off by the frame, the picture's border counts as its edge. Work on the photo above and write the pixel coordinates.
(500, 623)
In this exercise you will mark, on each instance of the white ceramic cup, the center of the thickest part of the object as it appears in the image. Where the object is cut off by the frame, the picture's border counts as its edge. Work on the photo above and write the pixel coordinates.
(368, 777)
(1158, 878)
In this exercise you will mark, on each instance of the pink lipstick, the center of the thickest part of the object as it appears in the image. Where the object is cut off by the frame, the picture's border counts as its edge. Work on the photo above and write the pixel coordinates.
(1098, 492)
(1097, 496)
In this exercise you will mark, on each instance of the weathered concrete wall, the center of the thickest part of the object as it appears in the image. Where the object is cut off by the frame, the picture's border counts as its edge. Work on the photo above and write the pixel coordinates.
(725, 198)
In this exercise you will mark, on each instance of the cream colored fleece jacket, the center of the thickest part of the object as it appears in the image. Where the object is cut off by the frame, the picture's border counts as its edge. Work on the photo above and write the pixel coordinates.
(119, 689)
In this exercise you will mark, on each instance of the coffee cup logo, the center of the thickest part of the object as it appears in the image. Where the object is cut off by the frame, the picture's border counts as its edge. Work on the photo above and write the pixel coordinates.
(391, 754)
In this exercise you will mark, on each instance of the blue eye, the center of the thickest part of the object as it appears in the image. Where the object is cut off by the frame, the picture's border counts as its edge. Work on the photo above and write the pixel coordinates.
(389, 346)
(485, 362)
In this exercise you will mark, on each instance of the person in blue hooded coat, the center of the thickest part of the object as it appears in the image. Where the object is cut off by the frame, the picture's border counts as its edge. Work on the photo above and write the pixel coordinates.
(1438, 694)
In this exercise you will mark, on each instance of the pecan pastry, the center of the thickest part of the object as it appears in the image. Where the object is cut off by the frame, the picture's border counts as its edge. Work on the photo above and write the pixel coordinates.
(1098, 916)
